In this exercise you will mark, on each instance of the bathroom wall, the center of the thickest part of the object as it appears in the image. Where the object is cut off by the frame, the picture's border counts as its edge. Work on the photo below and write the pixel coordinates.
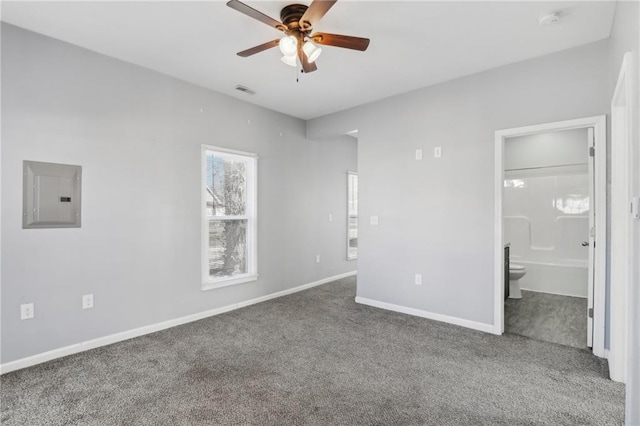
(546, 210)
(546, 149)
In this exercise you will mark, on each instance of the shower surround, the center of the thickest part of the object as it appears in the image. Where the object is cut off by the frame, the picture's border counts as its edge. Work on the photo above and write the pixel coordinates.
(546, 220)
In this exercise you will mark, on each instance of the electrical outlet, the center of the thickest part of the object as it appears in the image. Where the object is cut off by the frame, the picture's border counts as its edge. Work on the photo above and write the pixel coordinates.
(317, 258)
(373, 220)
(87, 301)
(27, 311)
(418, 154)
(418, 279)
(437, 152)
(330, 217)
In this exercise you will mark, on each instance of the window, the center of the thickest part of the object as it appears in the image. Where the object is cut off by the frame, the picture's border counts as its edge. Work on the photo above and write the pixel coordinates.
(352, 215)
(229, 184)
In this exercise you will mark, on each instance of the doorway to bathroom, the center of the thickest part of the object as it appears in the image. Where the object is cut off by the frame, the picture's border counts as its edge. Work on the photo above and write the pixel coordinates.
(550, 213)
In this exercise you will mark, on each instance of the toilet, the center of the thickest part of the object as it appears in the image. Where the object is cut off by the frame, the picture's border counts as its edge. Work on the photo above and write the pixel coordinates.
(515, 273)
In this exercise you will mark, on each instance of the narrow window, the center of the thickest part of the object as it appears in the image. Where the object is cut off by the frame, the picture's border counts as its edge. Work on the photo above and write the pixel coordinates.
(352, 215)
(229, 198)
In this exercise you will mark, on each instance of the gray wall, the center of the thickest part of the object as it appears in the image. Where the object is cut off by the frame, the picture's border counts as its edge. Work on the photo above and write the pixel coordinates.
(625, 37)
(437, 215)
(137, 134)
(546, 149)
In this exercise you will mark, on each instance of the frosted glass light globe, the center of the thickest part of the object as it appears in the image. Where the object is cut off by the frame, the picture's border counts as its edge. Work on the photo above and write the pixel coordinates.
(288, 45)
(290, 60)
(312, 51)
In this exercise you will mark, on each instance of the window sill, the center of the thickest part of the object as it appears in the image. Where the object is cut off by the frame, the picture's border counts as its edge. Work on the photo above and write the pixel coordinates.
(224, 282)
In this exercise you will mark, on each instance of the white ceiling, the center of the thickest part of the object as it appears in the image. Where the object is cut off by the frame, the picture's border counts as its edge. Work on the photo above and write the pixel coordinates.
(413, 44)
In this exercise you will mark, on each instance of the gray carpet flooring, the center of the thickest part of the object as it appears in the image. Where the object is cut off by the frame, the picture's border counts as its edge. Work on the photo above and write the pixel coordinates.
(548, 317)
(317, 357)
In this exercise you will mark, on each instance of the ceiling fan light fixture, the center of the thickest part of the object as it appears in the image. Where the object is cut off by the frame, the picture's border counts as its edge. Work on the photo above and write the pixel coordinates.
(297, 44)
(288, 45)
(290, 60)
(312, 51)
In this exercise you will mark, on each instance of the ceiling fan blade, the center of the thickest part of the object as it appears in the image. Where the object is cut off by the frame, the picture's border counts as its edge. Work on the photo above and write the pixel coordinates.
(307, 66)
(348, 42)
(258, 49)
(317, 9)
(251, 12)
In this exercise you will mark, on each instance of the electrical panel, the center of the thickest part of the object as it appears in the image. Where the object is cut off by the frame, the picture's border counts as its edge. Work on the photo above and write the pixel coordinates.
(51, 195)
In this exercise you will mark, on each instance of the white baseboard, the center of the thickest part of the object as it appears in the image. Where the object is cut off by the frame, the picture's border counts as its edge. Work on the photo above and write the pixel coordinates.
(152, 328)
(556, 293)
(294, 290)
(487, 328)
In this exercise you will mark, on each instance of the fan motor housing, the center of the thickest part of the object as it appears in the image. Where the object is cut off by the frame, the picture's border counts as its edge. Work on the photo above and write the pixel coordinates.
(290, 15)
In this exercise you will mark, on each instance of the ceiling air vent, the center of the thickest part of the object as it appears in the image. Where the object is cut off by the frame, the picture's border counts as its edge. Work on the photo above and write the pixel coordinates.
(245, 90)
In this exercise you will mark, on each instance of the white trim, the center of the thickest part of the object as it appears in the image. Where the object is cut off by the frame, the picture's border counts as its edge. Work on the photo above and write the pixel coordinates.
(591, 237)
(349, 174)
(296, 289)
(621, 262)
(487, 328)
(152, 328)
(599, 125)
(498, 242)
(233, 152)
(553, 292)
(227, 281)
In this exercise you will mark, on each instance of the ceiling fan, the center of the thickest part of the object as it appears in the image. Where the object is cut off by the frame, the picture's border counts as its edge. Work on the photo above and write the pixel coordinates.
(299, 44)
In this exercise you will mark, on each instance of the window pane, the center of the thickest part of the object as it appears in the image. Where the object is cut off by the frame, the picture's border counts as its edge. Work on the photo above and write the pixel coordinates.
(353, 194)
(353, 237)
(227, 248)
(226, 186)
(352, 217)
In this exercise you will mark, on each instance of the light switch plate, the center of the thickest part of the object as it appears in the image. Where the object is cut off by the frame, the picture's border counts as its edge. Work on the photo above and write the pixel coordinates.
(87, 301)
(27, 311)
(418, 154)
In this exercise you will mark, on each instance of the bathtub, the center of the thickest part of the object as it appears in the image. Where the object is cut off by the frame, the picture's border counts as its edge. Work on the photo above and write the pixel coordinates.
(566, 277)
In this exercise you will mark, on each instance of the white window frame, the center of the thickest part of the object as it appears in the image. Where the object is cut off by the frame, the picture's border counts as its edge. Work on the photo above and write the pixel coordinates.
(349, 216)
(251, 216)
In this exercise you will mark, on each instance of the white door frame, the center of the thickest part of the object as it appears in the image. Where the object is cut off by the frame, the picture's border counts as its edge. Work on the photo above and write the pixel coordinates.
(599, 124)
(592, 236)
(621, 262)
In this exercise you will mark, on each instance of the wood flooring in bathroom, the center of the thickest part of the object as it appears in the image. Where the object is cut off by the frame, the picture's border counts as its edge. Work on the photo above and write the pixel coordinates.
(548, 317)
